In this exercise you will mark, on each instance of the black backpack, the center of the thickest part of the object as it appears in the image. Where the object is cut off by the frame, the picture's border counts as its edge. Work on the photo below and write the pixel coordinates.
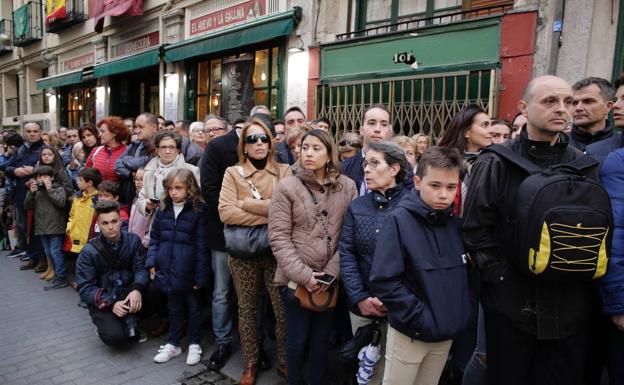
(560, 225)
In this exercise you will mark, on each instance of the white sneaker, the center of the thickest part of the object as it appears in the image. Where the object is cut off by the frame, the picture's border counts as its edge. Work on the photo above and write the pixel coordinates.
(194, 354)
(167, 352)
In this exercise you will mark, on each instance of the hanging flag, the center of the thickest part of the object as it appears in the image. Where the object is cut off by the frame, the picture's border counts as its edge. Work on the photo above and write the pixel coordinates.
(115, 8)
(55, 10)
(21, 21)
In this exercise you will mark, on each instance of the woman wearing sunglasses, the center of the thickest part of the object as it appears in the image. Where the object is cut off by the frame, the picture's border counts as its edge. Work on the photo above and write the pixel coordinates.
(244, 200)
(349, 145)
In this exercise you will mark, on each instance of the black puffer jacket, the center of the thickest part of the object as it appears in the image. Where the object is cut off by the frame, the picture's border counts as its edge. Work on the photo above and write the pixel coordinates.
(548, 310)
(358, 238)
(101, 284)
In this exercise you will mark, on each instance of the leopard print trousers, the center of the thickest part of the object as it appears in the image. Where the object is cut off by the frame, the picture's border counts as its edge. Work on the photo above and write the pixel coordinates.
(248, 276)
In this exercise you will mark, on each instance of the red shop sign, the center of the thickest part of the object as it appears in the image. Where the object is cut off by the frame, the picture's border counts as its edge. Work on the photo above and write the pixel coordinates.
(227, 16)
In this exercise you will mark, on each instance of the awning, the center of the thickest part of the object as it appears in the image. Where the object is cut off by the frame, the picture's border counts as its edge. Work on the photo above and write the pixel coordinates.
(263, 29)
(59, 80)
(127, 64)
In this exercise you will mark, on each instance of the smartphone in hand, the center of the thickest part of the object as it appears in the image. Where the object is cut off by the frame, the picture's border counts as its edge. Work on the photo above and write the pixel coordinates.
(326, 279)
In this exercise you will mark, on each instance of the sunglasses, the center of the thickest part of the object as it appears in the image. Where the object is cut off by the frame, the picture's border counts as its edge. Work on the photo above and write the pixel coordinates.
(352, 143)
(251, 139)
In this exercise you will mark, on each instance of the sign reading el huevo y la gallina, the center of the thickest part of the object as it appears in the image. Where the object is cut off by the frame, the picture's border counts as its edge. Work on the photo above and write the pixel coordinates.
(227, 16)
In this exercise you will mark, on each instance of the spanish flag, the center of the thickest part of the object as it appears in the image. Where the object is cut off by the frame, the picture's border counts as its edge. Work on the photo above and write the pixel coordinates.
(55, 10)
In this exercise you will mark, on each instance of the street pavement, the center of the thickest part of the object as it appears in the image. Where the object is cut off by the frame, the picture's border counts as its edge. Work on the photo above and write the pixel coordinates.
(46, 339)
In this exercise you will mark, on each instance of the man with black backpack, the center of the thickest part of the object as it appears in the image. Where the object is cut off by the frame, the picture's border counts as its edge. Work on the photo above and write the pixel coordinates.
(537, 227)
(111, 276)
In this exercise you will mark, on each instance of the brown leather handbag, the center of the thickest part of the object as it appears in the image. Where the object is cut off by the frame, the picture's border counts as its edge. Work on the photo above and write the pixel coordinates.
(317, 301)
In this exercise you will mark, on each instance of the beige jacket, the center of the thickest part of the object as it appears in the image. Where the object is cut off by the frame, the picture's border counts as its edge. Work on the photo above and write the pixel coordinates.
(237, 205)
(295, 231)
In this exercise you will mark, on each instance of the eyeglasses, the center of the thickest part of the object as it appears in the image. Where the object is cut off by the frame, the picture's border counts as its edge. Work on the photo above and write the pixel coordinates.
(280, 134)
(209, 130)
(251, 139)
(352, 143)
(167, 148)
(373, 164)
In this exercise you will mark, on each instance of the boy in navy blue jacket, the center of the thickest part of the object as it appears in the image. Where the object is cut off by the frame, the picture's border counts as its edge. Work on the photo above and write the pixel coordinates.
(420, 274)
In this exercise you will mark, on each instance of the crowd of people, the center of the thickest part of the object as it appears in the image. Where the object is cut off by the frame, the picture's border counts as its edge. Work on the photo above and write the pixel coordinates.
(406, 255)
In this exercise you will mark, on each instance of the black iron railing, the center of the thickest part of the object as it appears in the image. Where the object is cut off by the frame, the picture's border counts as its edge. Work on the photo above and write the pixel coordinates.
(27, 24)
(420, 22)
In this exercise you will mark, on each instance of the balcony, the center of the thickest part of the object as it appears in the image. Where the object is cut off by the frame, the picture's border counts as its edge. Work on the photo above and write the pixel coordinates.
(12, 107)
(74, 14)
(39, 103)
(6, 33)
(27, 24)
(420, 22)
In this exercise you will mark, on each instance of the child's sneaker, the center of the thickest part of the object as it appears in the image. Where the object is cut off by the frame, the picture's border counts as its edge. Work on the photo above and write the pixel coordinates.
(167, 352)
(194, 354)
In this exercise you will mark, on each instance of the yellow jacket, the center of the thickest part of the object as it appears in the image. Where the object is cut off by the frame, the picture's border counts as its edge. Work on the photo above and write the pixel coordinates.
(81, 220)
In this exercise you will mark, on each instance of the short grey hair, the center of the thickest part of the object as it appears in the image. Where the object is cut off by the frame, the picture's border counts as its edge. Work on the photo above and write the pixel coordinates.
(196, 126)
(393, 154)
(255, 109)
(217, 117)
(607, 91)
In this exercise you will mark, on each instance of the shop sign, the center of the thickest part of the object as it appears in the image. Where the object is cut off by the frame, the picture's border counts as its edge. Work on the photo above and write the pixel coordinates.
(238, 13)
(137, 44)
(79, 62)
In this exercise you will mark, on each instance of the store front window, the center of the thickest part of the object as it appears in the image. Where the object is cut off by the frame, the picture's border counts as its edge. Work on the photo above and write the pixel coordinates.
(133, 93)
(230, 86)
(79, 107)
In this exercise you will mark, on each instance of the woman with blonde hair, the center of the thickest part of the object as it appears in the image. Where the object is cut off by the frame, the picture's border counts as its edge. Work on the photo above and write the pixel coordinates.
(423, 141)
(409, 146)
(293, 139)
(243, 203)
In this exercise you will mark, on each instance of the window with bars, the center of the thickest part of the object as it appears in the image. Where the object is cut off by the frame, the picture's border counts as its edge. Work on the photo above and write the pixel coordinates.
(418, 104)
(375, 13)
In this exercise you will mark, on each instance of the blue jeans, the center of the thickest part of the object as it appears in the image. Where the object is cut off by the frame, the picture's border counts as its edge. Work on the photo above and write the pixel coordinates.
(221, 309)
(181, 304)
(53, 246)
(306, 328)
(476, 371)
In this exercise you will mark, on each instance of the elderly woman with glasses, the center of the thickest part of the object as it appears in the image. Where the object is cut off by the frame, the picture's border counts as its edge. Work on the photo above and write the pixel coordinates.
(168, 145)
(385, 171)
(244, 201)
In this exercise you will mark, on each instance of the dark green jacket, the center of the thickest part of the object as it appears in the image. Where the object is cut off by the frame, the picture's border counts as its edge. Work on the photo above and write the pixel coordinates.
(50, 214)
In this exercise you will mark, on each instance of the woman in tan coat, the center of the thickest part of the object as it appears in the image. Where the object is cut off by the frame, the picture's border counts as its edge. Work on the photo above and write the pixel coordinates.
(304, 238)
(244, 200)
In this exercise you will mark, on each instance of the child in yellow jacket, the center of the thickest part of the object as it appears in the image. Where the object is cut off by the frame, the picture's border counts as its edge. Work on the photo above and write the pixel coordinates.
(82, 213)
